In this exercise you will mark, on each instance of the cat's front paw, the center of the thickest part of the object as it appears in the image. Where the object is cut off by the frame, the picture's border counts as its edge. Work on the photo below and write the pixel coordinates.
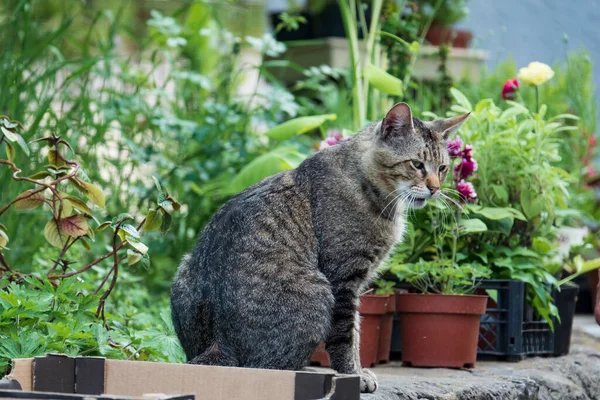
(368, 381)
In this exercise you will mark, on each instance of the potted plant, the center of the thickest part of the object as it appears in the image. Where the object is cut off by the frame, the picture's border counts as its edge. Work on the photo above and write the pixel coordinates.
(440, 324)
(445, 14)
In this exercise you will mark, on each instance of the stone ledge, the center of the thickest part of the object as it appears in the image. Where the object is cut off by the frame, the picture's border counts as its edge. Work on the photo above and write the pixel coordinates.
(575, 376)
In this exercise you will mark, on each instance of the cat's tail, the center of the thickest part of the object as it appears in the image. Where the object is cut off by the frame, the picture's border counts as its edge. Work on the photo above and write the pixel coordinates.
(216, 355)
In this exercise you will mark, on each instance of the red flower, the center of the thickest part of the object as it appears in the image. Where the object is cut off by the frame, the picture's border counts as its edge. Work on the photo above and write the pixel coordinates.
(454, 146)
(510, 88)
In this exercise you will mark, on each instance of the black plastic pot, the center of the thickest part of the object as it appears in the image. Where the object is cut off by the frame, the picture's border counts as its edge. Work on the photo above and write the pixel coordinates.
(565, 302)
(329, 23)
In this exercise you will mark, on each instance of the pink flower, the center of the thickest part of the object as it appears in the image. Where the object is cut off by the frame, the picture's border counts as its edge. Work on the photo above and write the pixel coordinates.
(454, 146)
(468, 152)
(510, 88)
(333, 137)
(466, 191)
(465, 168)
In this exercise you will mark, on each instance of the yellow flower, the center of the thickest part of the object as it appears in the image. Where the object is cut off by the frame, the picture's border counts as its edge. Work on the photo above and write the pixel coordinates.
(535, 73)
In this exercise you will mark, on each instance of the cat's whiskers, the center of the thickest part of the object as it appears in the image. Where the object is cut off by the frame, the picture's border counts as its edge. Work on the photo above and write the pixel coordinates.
(391, 202)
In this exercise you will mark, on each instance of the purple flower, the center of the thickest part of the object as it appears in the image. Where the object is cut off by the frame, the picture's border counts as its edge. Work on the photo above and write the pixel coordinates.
(468, 152)
(465, 168)
(466, 191)
(454, 146)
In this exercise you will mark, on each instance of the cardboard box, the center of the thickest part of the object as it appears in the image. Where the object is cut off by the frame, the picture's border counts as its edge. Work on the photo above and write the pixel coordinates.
(97, 376)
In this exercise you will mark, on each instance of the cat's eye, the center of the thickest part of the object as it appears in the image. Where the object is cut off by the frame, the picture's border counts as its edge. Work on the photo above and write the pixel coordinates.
(417, 164)
(443, 168)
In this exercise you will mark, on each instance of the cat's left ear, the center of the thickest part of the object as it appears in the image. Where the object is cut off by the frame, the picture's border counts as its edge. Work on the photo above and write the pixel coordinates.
(445, 126)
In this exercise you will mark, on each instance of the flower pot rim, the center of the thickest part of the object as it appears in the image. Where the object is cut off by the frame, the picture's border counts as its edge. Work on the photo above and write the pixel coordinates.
(444, 295)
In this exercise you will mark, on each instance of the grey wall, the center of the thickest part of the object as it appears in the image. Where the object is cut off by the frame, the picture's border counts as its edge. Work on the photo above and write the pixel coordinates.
(533, 30)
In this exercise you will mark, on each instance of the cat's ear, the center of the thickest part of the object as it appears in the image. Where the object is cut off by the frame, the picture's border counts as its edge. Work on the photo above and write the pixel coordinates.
(398, 121)
(445, 126)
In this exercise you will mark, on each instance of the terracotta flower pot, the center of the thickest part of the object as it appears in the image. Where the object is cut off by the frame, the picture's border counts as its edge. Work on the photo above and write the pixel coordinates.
(440, 330)
(372, 309)
(385, 337)
(441, 34)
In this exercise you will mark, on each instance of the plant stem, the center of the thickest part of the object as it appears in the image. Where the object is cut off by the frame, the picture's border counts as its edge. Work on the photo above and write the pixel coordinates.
(537, 100)
(358, 105)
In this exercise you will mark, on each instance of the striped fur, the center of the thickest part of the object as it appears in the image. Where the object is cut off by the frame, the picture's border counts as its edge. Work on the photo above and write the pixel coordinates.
(281, 265)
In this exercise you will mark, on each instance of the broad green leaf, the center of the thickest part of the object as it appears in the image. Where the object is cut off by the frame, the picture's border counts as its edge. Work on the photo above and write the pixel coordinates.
(131, 231)
(163, 201)
(53, 234)
(10, 152)
(23, 144)
(501, 193)
(265, 165)
(40, 175)
(139, 246)
(103, 226)
(79, 204)
(53, 159)
(471, 225)
(499, 213)
(94, 194)
(532, 205)
(461, 99)
(133, 257)
(30, 202)
(11, 136)
(74, 226)
(153, 220)
(165, 226)
(541, 245)
(85, 244)
(383, 81)
(298, 126)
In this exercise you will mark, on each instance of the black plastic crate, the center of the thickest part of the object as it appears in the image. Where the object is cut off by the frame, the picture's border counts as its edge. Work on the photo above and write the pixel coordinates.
(510, 330)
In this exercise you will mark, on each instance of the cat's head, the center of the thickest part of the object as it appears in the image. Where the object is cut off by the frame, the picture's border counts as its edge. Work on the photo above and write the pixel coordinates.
(411, 156)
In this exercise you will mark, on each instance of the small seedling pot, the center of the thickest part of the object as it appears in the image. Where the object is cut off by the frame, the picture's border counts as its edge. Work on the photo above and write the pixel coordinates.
(440, 330)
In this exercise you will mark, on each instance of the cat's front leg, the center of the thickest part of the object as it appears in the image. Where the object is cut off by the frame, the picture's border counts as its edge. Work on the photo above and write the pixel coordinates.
(343, 340)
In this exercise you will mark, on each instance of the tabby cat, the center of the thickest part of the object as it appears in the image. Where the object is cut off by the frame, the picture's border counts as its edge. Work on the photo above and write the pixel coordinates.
(280, 266)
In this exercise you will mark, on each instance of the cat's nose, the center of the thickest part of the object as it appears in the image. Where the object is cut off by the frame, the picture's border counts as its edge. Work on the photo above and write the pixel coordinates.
(433, 189)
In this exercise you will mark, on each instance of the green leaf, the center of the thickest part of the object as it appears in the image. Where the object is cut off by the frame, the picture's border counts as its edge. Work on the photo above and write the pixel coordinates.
(10, 135)
(157, 183)
(532, 205)
(40, 175)
(131, 231)
(23, 144)
(124, 217)
(541, 245)
(94, 194)
(54, 159)
(461, 99)
(79, 204)
(383, 81)
(103, 226)
(133, 257)
(497, 213)
(270, 163)
(163, 201)
(10, 152)
(472, 225)
(74, 226)
(298, 126)
(139, 246)
(153, 220)
(165, 226)
(53, 234)
(501, 193)
(30, 202)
